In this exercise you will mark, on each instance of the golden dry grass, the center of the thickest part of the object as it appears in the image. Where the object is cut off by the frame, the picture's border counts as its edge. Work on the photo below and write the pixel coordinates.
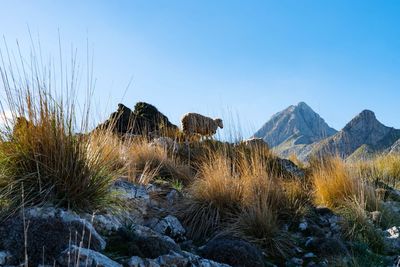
(155, 162)
(242, 197)
(334, 185)
(382, 169)
(44, 158)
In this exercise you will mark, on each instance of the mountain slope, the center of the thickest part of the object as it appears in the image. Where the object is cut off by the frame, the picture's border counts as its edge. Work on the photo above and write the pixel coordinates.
(294, 129)
(363, 133)
(395, 148)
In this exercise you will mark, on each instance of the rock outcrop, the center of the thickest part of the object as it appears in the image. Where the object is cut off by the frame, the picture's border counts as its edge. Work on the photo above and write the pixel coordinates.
(145, 119)
(49, 231)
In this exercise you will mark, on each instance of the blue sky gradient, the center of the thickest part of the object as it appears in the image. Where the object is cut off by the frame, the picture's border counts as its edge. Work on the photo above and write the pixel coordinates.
(251, 58)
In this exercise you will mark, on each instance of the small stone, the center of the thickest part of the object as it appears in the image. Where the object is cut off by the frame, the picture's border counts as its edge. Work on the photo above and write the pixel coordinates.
(393, 232)
(296, 261)
(309, 241)
(4, 257)
(303, 226)
(309, 255)
(136, 261)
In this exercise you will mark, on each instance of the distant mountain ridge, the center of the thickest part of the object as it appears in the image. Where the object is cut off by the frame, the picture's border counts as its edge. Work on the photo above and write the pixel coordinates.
(362, 131)
(299, 130)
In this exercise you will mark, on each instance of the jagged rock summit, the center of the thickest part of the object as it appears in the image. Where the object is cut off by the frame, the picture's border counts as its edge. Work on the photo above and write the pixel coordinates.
(291, 130)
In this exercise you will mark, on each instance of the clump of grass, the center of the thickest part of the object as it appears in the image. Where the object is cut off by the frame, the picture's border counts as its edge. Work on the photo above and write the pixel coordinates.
(41, 150)
(358, 226)
(351, 198)
(382, 170)
(259, 224)
(334, 186)
(213, 198)
(265, 207)
(51, 162)
(109, 147)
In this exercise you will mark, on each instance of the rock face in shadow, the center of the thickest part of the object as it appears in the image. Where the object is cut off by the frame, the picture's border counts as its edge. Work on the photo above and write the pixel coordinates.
(143, 120)
(143, 242)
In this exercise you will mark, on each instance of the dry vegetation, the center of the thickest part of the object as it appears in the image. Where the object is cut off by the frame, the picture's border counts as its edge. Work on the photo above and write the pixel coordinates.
(243, 197)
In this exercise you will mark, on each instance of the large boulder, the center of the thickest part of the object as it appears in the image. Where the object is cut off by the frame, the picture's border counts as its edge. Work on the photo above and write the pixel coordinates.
(232, 251)
(141, 241)
(49, 231)
(82, 257)
(145, 119)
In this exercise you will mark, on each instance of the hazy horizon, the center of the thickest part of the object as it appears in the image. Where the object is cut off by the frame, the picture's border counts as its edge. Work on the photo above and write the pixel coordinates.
(226, 58)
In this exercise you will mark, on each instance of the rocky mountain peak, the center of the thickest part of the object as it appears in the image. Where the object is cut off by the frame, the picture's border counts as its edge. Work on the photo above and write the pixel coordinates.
(364, 121)
(299, 124)
(303, 106)
(365, 116)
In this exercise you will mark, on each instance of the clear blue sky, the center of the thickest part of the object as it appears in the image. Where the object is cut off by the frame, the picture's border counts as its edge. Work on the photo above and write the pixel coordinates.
(253, 58)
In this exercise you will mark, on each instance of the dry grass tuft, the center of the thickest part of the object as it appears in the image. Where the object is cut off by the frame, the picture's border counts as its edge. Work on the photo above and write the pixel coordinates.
(213, 198)
(383, 169)
(259, 224)
(53, 164)
(155, 162)
(41, 150)
(334, 185)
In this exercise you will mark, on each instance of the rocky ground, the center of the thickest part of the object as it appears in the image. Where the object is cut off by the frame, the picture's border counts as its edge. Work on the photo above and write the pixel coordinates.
(147, 234)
